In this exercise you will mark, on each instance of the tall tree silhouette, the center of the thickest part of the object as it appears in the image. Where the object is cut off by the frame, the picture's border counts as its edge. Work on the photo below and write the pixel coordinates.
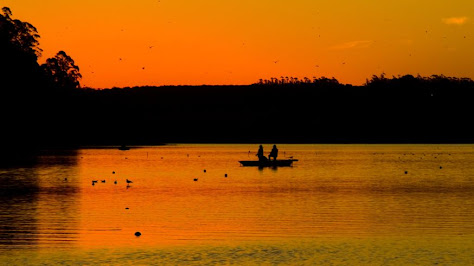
(63, 71)
(19, 51)
(21, 35)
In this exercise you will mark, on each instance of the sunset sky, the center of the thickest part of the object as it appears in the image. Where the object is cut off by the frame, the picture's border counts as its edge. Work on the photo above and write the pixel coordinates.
(177, 42)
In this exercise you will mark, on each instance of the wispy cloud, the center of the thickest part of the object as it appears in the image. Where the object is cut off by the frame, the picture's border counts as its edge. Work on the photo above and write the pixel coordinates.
(455, 20)
(352, 45)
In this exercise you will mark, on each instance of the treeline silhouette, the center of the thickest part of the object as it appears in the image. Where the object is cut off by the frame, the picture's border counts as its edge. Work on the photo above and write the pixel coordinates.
(295, 80)
(33, 97)
(403, 109)
(44, 106)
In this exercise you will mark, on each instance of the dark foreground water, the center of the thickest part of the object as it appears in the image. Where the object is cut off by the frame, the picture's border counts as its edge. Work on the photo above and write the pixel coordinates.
(339, 204)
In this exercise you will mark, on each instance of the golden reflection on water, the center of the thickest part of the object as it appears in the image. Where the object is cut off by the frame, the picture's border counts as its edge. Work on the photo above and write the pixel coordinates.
(339, 193)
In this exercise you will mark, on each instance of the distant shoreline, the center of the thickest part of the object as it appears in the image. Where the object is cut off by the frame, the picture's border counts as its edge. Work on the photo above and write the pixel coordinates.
(241, 143)
(403, 110)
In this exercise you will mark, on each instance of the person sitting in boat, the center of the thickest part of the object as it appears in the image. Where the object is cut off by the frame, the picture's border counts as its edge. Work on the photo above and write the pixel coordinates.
(260, 155)
(274, 153)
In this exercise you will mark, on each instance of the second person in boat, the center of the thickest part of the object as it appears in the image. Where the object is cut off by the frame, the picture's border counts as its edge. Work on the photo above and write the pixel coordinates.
(274, 153)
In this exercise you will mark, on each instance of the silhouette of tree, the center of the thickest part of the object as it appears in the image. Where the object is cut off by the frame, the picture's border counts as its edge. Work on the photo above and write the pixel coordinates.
(63, 71)
(19, 51)
(21, 35)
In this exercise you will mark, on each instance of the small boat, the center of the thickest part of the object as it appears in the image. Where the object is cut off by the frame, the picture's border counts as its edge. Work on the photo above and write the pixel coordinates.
(287, 162)
(124, 148)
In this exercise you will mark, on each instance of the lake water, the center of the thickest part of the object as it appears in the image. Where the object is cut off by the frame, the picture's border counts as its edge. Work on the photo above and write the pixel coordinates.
(339, 204)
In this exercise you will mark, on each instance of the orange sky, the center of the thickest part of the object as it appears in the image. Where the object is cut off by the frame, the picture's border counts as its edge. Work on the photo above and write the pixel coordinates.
(176, 42)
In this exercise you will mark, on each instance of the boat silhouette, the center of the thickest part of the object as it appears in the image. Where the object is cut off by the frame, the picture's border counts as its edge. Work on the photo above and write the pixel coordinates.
(124, 148)
(269, 163)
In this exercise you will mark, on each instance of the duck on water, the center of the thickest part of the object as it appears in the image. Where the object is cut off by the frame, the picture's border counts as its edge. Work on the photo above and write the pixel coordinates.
(263, 161)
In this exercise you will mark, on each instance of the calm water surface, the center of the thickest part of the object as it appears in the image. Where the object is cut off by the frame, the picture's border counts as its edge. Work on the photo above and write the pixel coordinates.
(339, 204)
